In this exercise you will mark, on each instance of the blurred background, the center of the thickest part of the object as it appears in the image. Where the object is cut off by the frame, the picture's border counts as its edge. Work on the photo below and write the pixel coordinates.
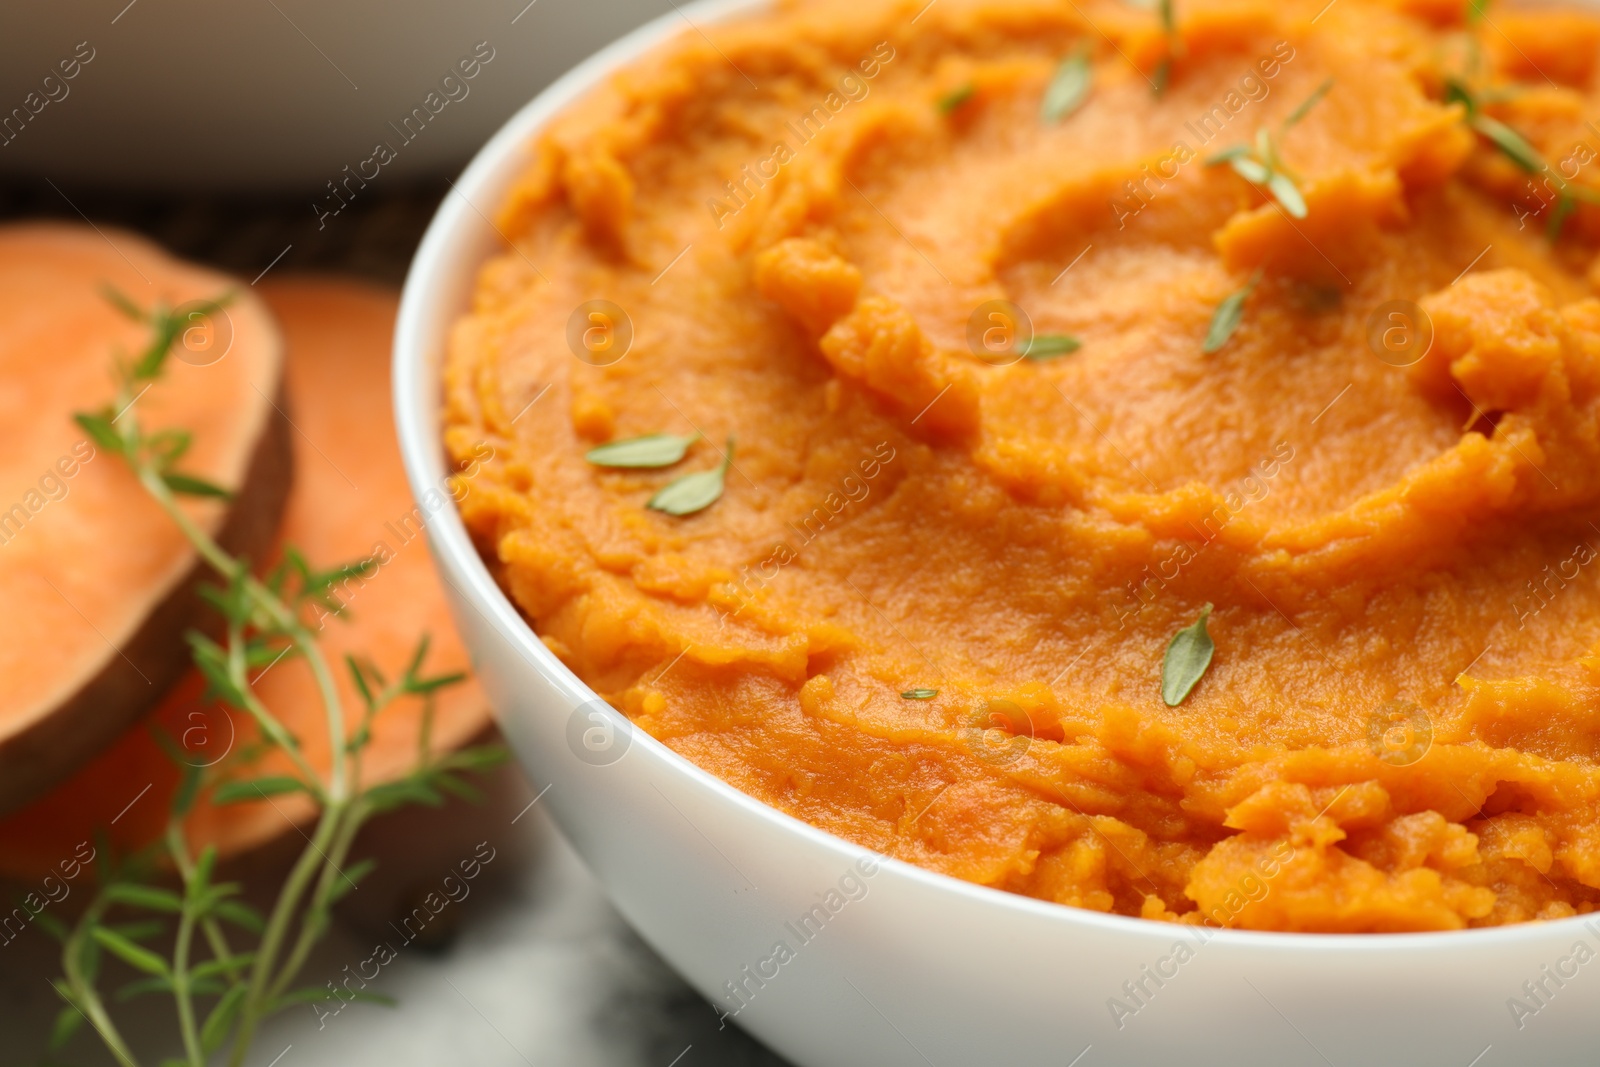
(220, 130)
(224, 129)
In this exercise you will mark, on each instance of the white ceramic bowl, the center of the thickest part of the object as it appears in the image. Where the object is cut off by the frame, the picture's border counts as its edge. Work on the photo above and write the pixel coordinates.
(914, 968)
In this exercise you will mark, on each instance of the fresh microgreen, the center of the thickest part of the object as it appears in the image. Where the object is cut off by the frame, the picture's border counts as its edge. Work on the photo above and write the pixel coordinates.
(1050, 345)
(1188, 658)
(919, 694)
(265, 619)
(1225, 320)
(1069, 88)
(949, 102)
(651, 450)
(694, 492)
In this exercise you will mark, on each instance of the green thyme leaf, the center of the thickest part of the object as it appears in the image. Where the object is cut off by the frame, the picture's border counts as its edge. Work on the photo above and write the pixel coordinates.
(1250, 170)
(919, 694)
(1456, 92)
(241, 915)
(1050, 345)
(480, 759)
(215, 1031)
(1565, 206)
(1169, 26)
(359, 676)
(1509, 141)
(168, 446)
(139, 931)
(169, 326)
(422, 686)
(1583, 194)
(1228, 155)
(1287, 194)
(651, 450)
(68, 1019)
(1226, 318)
(1188, 657)
(952, 100)
(213, 968)
(353, 877)
(212, 662)
(694, 492)
(51, 925)
(1266, 151)
(143, 896)
(1069, 88)
(136, 956)
(189, 485)
(188, 777)
(122, 303)
(256, 789)
(98, 426)
(1305, 107)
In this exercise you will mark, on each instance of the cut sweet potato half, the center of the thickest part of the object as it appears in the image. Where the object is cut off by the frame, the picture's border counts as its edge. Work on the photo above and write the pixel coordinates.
(350, 501)
(96, 584)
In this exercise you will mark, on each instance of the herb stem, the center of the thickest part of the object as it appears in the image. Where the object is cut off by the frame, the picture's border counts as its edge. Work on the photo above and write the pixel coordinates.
(257, 1001)
(178, 849)
(265, 719)
(84, 997)
(180, 980)
(258, 618)
(316, 917)
(150, 476)
(264, 599)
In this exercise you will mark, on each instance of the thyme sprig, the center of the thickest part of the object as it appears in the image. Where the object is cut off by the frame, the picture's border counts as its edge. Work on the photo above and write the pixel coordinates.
(1518, 150)
(1261, 165)
(265, 619)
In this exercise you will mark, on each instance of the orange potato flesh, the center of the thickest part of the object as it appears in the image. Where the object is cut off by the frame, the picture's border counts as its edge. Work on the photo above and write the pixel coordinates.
(1027, 538)
(87, 560)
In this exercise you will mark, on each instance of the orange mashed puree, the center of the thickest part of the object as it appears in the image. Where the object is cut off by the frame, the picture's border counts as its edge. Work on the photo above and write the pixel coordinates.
(1385, 477)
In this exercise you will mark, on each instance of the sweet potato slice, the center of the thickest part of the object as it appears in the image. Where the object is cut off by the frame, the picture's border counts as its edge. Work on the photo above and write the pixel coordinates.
(96, 584)
(350, 501)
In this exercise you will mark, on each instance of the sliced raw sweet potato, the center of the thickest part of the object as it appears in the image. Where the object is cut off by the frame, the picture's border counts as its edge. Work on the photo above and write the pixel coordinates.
(350, 501)
(96, 584)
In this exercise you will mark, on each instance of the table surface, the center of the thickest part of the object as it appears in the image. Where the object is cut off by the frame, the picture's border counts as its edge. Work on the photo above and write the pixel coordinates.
(534, 967)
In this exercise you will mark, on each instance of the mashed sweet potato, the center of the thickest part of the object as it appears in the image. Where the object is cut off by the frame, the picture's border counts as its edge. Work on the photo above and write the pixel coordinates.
(1385, 475)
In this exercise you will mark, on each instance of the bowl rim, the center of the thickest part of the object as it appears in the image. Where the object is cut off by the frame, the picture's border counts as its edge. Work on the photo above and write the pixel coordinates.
(421, 338)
